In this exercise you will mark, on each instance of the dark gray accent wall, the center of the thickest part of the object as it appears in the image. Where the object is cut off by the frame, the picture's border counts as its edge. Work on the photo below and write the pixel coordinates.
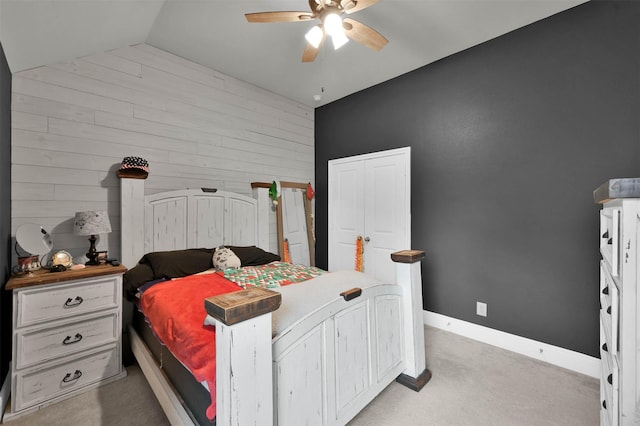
(508, 140)
(5, 213)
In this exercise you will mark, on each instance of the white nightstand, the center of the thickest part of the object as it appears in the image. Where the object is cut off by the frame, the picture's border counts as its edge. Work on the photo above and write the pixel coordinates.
(67, 329)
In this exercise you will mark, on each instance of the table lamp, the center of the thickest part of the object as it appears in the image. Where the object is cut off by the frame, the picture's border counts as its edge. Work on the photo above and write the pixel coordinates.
(91, 223)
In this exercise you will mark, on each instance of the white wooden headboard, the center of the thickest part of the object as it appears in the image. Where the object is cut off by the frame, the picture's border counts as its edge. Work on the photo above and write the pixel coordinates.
(183, 219)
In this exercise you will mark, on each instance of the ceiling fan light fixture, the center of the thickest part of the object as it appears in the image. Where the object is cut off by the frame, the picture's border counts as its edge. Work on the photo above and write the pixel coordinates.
(329, 13)
(339, 39)
(314, 36)
(333, 24)
(333, 27)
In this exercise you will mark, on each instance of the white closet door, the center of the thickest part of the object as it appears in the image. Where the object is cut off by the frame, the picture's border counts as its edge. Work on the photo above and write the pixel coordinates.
(346, 212)
(369, 196)
(386, 215)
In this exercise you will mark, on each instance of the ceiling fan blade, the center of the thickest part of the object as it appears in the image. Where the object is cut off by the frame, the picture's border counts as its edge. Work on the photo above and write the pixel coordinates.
(311, 52)
(364, 34)
(279, 16)
(359, 5)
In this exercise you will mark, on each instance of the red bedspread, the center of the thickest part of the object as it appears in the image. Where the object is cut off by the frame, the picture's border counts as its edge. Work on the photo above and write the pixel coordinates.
(176, 311)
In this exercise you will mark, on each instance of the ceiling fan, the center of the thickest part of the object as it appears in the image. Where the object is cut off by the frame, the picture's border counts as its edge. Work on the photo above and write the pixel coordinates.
(329, 13)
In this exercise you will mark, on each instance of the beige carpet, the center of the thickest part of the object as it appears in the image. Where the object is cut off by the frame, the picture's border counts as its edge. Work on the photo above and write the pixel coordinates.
(473, 384)
(478, 384)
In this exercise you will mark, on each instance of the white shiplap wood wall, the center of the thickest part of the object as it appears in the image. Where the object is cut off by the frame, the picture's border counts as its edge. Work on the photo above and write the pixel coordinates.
(72, 123)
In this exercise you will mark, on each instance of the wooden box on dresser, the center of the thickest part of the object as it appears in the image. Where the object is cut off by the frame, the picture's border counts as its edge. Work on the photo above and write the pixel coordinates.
(66, 334)
(619, 302)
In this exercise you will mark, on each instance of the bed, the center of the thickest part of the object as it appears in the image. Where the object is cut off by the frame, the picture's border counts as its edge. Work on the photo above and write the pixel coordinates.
(315, 352)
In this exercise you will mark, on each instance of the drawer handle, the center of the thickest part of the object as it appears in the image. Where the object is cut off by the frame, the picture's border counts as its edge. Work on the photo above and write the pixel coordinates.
(610, 241)
(604, 404)
(67, 340)
(606, 234)
(605, 348)
(70, 378)
(73, 302)
(610, 379)
(609, 310)
(605, 290)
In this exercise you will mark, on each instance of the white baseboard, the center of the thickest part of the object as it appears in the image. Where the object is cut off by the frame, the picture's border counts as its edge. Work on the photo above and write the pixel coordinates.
(5, 392)
(565, 358)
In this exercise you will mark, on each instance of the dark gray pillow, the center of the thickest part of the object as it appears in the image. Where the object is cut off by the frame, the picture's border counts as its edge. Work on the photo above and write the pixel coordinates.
(253, 256)
(178, 263)
(166, 264)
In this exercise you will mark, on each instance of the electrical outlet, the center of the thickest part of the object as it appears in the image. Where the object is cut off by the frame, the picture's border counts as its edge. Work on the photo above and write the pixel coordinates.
(481, 309)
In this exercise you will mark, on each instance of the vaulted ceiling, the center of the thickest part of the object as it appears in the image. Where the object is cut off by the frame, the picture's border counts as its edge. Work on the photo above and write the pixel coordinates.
(216, 34)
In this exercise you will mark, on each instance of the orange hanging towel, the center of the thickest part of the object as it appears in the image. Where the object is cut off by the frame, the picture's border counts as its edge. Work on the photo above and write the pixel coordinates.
(310, 191)
(285, 248)
(359, 254)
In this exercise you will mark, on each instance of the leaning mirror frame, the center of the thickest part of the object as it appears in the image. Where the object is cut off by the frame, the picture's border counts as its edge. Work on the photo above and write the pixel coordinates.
(308, 217)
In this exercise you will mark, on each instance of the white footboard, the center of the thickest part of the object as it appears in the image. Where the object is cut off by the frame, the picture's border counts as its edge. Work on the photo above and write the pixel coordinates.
(328, 365)
(332, 364)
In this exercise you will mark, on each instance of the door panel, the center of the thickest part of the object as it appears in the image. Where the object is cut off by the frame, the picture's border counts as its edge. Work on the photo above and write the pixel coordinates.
(346, 215)
(369, 197)
(301, 396)
(388, 331)
(209, 222)
(168, 219)
(241, 222)
(353, 356)
(386, 214)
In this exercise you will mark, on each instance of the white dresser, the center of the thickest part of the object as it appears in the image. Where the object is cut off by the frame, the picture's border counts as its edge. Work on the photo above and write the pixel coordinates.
(66, 334)
(619, 303)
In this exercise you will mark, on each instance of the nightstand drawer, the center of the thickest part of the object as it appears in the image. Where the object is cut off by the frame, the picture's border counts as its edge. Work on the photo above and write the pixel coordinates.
(51, 302)
(42, 344)
(41, 385)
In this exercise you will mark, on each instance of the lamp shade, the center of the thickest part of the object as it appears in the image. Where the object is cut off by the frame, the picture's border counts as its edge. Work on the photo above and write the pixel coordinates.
(91, 223)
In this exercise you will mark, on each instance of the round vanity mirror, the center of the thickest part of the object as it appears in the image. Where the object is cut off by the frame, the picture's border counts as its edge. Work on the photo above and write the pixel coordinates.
(33, 239)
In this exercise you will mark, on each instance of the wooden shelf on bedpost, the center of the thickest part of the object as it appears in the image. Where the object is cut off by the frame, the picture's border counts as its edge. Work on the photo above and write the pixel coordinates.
(244, 372)
(409, 277)
(232, 308)
(407, 256)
